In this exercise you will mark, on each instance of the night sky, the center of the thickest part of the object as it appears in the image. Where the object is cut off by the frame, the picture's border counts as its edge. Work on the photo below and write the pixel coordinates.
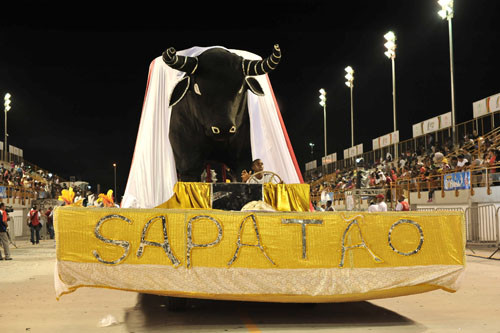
(78, 75)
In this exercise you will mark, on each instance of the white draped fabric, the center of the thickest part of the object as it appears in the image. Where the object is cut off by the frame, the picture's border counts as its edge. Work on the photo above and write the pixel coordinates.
(153, 174)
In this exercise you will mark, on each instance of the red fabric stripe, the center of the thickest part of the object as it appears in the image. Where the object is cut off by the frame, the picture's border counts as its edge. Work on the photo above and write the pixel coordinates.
(285, 133)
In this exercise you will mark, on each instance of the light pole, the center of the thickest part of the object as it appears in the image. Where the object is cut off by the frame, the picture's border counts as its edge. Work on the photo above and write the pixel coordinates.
(312, 149)
(350, 83)
(446, 13)
(391, 54)
(6, 105)
(114, 168)
(322, 102)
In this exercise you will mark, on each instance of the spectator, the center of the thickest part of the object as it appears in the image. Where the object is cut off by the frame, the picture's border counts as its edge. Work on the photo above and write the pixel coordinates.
(476, 173)
(382, 206)
(329, 207)
(373, 207)
(466, 154)
(35, 225)
(50, 222)
(461, 161)
(453, 163)
(402, 204)
(4, 238)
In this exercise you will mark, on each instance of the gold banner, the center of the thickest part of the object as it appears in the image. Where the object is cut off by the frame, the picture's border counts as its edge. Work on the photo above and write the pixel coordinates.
(219, 239)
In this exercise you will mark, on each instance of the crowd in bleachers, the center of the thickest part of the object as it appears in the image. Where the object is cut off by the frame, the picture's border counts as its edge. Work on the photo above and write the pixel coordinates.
(43, 184)
(474, 153)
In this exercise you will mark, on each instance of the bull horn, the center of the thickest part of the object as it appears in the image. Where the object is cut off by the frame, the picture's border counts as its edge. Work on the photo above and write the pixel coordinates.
(178, 62)
(260, 67)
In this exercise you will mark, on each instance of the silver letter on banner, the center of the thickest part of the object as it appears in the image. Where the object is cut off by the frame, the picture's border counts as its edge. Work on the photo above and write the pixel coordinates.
(419, 228)
(191, 245)
(166, 244)
(362, 245)
(122, 243)
(303, 223)
(239, 244)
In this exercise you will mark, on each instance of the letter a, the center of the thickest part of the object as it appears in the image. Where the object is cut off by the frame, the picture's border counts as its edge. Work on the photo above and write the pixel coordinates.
(362, 245)
(166, 244)
(239, 244)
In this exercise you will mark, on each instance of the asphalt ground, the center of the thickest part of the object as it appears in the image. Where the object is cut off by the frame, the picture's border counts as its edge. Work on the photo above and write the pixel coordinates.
(28, 304)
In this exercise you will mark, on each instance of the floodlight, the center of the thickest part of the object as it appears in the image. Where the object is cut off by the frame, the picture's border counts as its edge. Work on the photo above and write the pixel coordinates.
(390, 36)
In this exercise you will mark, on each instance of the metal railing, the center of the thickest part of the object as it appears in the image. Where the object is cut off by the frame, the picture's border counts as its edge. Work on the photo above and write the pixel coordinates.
(482, 225)
(16, 194)
(483, 176)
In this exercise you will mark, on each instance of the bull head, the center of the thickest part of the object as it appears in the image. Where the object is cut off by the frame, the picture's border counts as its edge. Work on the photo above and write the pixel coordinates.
(189, 65)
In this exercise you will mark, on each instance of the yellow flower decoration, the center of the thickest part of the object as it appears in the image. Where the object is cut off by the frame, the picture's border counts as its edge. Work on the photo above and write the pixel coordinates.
(106, 199)
(68, 196)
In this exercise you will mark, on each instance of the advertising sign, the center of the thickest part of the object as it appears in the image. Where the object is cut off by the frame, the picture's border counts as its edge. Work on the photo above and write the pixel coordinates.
(329, 159)
(479, 108)
(385, 140)
(359, 149)
(494, 103)
(311, 165)
(445, 120)
(417, 130)
(395, 137)
(431, 125)
(3, 192)
(352, 151)
(457, 181)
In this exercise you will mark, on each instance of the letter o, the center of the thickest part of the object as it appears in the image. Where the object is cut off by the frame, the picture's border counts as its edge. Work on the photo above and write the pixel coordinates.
(419, 228)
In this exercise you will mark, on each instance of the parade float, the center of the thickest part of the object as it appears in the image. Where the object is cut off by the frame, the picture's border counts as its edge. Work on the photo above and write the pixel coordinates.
(179, 237)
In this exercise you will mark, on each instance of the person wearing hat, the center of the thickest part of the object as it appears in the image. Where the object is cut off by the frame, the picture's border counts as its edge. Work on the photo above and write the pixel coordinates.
(382, 206)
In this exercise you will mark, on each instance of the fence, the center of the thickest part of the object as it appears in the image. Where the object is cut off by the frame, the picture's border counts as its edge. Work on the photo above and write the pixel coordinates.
(16, 195)
(482, 225)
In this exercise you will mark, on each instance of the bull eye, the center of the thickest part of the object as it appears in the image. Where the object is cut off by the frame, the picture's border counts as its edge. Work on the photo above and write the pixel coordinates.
(232, 129)
(197, 89)
(215, 130)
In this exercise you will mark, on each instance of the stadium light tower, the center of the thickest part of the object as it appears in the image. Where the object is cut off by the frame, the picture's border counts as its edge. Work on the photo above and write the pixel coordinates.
(350, 83)
(312, 148)
(391, 54)
(6, 105)
(322, 102)
(446, 13)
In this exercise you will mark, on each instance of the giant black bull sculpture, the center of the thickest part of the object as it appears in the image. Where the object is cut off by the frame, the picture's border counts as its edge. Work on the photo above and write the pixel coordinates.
(209, 120)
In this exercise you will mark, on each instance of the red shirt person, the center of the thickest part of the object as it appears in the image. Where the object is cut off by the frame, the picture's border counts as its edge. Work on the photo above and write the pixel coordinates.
(35, 225)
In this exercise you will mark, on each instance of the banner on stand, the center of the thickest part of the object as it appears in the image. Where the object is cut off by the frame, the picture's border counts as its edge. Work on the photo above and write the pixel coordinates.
(486, 105)
(311, 165)
(457, 181)
(329, 159)
(385, 140)
(432, 125)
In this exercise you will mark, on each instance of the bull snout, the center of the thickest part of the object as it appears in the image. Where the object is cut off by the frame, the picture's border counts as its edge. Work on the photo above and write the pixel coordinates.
(216, 130)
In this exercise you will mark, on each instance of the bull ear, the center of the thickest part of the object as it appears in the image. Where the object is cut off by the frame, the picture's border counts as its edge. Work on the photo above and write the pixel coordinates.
(179, 91)
(254, 86)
